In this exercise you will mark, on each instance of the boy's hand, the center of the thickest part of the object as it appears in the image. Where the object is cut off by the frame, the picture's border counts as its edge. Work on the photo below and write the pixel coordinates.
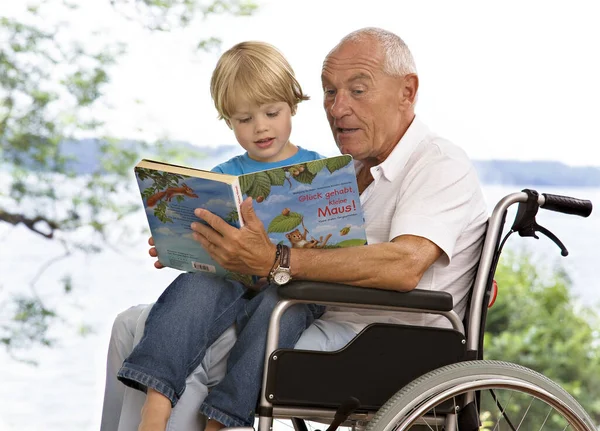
(247, 250)
(152, 252)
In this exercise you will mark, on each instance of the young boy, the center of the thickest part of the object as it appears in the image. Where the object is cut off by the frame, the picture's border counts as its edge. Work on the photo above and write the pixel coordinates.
(256, 93)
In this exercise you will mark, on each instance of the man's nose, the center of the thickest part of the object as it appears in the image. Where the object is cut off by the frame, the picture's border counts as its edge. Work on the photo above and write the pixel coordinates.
(340, 106)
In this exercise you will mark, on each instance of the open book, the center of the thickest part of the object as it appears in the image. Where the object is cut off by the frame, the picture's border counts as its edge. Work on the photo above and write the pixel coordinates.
(313, 204)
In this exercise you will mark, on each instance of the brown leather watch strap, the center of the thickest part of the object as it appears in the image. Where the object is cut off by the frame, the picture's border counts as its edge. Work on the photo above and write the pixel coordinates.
(277, 254)
(284, 260)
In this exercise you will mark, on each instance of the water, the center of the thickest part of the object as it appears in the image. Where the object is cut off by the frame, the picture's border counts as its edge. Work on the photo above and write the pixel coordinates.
(65, 391)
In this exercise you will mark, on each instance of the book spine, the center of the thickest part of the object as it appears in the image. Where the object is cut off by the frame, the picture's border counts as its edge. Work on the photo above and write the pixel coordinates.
(237, 196)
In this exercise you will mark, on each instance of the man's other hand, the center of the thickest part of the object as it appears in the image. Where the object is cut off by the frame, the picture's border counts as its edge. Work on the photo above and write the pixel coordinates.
(247, 250)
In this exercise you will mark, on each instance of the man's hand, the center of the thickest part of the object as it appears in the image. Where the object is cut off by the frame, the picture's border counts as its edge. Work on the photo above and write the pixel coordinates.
(247, 250)
(152, 252)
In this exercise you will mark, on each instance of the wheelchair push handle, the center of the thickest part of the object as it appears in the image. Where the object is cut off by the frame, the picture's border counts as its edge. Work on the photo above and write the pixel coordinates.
(526, 225)
(567, 205)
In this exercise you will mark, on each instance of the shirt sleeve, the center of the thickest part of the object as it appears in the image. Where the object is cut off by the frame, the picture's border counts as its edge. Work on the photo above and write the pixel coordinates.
(435, 203)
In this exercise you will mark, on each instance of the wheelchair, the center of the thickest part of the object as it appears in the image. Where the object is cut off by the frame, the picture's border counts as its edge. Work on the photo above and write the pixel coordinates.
(396, 377)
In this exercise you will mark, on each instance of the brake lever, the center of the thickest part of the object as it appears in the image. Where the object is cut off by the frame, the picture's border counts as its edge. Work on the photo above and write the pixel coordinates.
(526, 225)
(525, 222)
(542, 229)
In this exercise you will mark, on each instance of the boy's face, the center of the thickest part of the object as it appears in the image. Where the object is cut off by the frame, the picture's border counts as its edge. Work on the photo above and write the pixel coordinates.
(263, 130)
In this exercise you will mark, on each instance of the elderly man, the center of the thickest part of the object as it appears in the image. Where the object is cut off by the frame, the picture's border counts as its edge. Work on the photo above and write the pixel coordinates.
(424, 210)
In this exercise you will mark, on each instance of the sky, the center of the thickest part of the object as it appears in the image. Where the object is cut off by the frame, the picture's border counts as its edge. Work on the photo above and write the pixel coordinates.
(504, 80)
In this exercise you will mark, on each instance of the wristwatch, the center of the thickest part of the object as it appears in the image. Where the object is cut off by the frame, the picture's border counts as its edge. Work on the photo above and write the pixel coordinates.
(281, 274)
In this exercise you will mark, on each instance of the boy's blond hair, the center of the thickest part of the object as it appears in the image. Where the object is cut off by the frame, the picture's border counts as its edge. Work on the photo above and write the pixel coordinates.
(256, 72)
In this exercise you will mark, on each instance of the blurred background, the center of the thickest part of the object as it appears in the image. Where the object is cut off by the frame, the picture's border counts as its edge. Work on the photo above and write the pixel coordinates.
(88, 88)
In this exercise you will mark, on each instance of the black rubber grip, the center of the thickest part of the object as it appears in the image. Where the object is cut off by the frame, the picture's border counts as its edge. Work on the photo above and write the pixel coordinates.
(567, 205)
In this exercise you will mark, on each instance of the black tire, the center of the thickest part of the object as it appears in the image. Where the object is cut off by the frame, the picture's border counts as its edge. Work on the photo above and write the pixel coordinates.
(479, 375)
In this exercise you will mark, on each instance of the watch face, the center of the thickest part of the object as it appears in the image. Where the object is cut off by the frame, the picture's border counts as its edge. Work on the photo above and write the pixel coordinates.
(281, 277)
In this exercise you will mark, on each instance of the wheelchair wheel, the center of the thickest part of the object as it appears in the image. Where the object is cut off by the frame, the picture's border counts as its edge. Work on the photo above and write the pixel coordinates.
(508, 397)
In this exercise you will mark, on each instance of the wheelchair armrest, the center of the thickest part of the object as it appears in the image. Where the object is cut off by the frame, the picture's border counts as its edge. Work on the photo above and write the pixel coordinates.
(320, 292)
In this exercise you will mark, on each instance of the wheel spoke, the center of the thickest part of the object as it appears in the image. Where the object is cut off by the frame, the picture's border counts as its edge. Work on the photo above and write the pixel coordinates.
(546, 418)
(503, 411)
(525, 414)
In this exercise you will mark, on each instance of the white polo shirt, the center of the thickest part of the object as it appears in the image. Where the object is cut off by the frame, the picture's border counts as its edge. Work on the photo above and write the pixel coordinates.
(426, 187)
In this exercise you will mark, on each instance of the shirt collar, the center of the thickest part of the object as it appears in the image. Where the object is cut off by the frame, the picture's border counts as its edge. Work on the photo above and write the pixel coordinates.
(391, 167)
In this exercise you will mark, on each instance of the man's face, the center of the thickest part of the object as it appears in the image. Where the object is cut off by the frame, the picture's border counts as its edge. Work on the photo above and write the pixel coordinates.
(365, 107)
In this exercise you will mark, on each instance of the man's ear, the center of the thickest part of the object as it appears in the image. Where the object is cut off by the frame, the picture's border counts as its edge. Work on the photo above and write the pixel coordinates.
(410, 89)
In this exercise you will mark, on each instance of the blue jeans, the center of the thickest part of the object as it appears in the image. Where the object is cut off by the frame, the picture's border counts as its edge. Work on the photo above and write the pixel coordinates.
(188, 318)
(233, 401)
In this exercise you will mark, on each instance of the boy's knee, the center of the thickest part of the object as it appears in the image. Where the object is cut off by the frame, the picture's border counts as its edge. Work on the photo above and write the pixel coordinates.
(180, 286)
(197, 287)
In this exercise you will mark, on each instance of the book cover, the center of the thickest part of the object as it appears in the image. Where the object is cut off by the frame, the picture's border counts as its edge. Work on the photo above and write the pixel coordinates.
(309, 205)
(313, 204)
(170, 194)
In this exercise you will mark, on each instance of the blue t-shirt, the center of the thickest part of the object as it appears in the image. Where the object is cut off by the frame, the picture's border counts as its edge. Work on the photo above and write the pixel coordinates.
(243, 164)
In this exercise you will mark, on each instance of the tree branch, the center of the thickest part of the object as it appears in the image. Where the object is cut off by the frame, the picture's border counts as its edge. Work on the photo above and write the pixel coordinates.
(43, 269)
(30, 223)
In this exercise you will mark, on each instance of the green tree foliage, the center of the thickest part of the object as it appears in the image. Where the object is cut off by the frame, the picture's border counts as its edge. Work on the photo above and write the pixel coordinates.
(167, 15)
(538, 323)
(50, 87)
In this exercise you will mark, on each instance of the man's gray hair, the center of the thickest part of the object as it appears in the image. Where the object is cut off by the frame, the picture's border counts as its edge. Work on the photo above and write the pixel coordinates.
(398, 60)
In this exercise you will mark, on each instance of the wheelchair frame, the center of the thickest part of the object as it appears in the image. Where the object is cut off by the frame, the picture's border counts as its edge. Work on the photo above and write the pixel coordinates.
(416, 301)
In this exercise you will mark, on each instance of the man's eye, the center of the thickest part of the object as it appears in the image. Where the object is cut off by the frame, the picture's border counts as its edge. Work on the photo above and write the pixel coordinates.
(329, 92)
(272, 114)
(357, 91)
(244, 120)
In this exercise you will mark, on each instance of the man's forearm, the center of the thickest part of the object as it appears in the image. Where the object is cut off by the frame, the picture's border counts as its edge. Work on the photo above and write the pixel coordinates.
(392, 266)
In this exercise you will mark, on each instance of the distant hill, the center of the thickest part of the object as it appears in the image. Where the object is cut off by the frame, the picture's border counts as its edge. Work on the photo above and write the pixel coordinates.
(536, 173)
(86, 155)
